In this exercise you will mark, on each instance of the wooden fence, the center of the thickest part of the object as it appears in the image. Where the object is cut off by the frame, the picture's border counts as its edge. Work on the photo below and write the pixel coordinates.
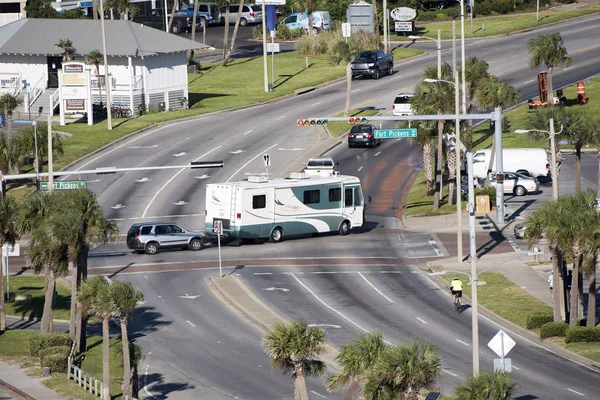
(82, 378)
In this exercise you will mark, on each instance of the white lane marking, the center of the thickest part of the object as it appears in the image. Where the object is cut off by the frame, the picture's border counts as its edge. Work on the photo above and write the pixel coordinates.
(203, 176)
(146, 382)
(273, 288)
(316, 104)
(416, 272)
(374, 288)
(422, 320)
(162, 216)
(189, 322)
(390, 272)
(461, 342)
(576, 392)
(238, 151)
(181, 153)
(117, 206)
(325, 326)
(282, 117)
(187, 296)
(433, 244)
(318, 394)
(517, 368)
(358, 170)
(250, 131)
(144, 147)
(293, 275)
(263, 273)
(450, 373)
(249, 161)
(378, 153)
(144, 179)
(172, 178)
(529, 81)
(180, 203)
(355, 90)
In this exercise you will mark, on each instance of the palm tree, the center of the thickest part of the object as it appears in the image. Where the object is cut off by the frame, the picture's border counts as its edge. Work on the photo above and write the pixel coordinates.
(234, 36)
(123, 7)
(582, 133)
(82, 225)
(435, 98)
(476, 74)
(95, 58)
(22, 146)
(8, 104)
(8, 235)
(426, 141)
(403, 371)
(293, 347)
(496, 386)
(309, 6)
(356, 359)
(226, 33)
(548, 50)
(66, 45)
(95, 297)
(589, 270)
(125, 298)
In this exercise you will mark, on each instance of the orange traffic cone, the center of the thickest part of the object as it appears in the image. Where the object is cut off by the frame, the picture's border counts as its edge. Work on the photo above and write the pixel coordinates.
(581, 99)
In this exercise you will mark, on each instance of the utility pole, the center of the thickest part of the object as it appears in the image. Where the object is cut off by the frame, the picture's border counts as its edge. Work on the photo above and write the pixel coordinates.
(385, 24)
(264, 32)
(106, 75)
(50, 166)
(499, 165)
(462, 48)
(473, 257)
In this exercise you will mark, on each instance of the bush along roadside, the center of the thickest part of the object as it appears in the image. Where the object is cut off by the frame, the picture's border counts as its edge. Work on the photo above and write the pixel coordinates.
(553, 329)
(536, 320)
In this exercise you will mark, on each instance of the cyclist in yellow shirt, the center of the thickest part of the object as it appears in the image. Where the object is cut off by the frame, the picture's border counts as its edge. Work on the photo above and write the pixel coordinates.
(456, 288)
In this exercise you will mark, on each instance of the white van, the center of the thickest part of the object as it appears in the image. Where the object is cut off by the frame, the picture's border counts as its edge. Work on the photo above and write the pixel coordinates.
(531, 162)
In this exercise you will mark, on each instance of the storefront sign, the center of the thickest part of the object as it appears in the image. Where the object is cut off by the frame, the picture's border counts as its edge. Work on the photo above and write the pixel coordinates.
(403, 14)
(403, 26)
(75, 104)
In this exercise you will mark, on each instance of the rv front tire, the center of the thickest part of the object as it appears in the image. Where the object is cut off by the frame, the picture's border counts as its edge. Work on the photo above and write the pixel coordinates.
(344, 228)
(276, 235)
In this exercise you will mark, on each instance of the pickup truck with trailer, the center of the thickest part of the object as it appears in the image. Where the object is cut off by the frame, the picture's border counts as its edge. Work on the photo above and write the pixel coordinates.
(373, 64)
(156, 19)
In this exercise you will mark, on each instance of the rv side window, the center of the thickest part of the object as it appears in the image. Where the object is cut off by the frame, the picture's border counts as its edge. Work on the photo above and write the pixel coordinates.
(335, 194)
(357, 197)
(348, 202)
(312, 196)
(259, 201)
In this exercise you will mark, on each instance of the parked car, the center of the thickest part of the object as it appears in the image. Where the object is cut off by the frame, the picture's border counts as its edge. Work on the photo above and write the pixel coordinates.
(251, 14)
(373, 64)
(321, 21)
(156, 19)
(208, 13)
(363, 135)
(518, 184)
(150, 237)
(402, 104)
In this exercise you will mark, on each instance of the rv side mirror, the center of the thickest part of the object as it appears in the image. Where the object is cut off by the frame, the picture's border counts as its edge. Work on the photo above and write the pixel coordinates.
(368, 199)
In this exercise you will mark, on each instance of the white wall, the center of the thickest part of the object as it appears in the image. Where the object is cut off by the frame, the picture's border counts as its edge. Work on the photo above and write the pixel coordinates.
(165, 72)
(32, 68)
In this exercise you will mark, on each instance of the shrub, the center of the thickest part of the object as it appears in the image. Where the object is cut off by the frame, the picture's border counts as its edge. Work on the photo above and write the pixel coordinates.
(323, 43)
(484, 8)
(54, 350)
(425, 15)
(56, 363)
(362, 41)
(42, 341)
(583, 334)
(552, 329)
(35, 345)
(536, 320)
(489, 192)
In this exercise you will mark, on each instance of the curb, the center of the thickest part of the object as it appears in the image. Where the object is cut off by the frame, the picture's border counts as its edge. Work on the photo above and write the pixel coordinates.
(13, 389)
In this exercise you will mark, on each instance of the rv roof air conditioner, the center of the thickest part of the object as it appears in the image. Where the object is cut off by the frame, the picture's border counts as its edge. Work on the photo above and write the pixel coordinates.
(257, 179)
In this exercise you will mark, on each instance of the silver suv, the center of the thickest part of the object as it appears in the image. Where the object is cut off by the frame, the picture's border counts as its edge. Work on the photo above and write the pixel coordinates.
(150, 237)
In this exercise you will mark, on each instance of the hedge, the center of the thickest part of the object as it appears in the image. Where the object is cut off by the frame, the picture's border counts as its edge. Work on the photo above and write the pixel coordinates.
(536, 320)
(583, 334)
(62, 351)
(56, 363)
(42, 341)
(552, 329)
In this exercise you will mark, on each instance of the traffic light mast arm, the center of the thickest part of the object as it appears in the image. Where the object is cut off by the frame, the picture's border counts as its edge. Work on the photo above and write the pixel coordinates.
(431, 117)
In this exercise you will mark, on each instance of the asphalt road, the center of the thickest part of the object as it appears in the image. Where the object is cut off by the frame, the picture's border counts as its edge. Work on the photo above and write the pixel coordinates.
(183, 355)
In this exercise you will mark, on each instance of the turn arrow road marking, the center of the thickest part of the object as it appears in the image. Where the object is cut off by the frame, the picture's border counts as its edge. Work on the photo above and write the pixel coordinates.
(187, 296)
(203, 176)
(270, 289)
(180, 203)
(144, 179)
(183, 153)
(117, 206)
(237, 151)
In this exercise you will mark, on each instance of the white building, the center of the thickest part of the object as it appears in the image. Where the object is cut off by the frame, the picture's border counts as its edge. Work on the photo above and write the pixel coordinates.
(147, 66)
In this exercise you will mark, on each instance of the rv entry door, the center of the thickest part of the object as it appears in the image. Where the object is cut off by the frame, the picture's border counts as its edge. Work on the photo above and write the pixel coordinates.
(353, 205)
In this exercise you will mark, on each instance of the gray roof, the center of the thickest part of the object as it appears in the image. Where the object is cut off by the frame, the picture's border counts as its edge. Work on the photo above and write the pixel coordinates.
(123, 38)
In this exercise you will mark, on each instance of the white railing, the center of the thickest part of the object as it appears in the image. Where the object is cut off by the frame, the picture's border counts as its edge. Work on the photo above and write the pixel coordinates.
(7, 18)
(35, 91)
(137, 82)
(54, 98)
(117, 84)
(82, 378)
(10, 83)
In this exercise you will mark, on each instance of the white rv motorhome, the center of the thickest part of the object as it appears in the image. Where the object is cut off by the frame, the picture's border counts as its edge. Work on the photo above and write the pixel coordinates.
(262, 208)
(531, 162)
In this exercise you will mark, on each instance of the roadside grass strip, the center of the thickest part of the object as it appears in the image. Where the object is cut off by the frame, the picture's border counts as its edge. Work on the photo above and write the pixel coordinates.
(35, 286)
(418, 203)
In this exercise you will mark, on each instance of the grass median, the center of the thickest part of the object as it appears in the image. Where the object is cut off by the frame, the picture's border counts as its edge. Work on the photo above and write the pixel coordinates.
(35, 286)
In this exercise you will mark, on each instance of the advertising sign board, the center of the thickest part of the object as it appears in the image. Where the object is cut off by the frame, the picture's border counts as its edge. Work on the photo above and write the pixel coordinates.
(403, 14)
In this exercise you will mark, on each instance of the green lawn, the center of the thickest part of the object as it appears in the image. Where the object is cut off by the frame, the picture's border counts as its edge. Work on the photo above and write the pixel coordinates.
(589, 350)
(14, 345)
(505, 24)
(504, 298)
(35, 285)
(418, 203)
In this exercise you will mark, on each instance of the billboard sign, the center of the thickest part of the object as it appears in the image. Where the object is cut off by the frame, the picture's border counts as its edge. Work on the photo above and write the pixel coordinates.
(403, 14)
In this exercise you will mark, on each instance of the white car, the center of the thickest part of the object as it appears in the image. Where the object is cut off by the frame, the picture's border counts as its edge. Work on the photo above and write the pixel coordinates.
(402, 104)
(518, 184)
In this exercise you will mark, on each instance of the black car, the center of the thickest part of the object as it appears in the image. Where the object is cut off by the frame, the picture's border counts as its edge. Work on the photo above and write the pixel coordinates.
(363, 135)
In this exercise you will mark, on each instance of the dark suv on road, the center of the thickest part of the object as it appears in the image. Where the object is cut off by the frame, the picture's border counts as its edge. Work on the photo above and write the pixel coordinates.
(362, 135)
(150, 237)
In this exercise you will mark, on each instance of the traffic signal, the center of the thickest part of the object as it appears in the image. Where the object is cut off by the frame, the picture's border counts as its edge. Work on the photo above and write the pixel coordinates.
(312, 122)
(357, 120)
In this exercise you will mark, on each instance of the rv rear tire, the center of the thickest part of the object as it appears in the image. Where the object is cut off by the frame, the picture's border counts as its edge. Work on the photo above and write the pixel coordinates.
(276, 235)
(344, 228)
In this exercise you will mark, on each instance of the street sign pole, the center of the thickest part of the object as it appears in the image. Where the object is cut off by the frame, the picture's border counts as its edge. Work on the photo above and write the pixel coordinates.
(218, 229)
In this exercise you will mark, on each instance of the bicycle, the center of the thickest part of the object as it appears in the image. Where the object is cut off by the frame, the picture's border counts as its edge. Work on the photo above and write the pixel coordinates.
(457, 303)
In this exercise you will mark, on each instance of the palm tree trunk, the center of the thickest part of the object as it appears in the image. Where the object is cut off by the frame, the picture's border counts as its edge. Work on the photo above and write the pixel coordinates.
(73, 313)
(126, 359)
(172, 16)
(105, 360)
(300, 384)
(95, 9)
(451, 160)
(428, 150)
(438, 178)
(226, 34)
(81, 320)
(574, 300)
(580, 309)
(47, 324)
(349, 91)
(555, 291)
(578, 168)
(2, 305)
(196, 5)
(9, 125)
(235, 30)
(598, 183)
(591, 311)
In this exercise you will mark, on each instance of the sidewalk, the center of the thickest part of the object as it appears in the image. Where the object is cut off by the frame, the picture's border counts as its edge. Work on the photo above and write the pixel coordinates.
(15, 383)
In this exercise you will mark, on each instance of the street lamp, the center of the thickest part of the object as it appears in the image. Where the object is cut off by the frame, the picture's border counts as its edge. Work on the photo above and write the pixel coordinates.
(552, 135)
(37, 162)
(439, 50)
(474, 307)
(457, 150)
